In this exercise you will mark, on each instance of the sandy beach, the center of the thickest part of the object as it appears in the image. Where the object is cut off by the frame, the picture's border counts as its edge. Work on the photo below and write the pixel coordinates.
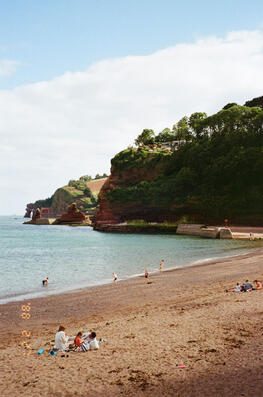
(183, 317)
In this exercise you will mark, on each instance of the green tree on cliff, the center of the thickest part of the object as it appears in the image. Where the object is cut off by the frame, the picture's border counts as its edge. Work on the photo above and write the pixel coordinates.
(195, 122)
(89, 194)
(147, 137)
(85, 178)
(165, 135)
(182, 130)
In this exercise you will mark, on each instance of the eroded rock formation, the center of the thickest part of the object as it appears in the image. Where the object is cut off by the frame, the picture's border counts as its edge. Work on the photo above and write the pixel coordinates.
(73, 215)
(36, 214)
(29, 209)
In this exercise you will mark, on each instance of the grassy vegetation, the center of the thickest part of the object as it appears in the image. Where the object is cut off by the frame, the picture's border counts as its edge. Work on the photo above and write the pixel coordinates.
(165, 225)
(76, 191)
(139, 158)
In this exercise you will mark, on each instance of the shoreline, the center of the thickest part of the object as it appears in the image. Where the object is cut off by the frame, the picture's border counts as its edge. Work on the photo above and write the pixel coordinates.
(183, 317)
(133, 280)
(44, 294)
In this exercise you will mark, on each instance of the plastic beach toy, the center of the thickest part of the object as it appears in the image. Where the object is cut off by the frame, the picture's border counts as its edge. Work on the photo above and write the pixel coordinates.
(52, 353)
(40, 351)
(181, 366)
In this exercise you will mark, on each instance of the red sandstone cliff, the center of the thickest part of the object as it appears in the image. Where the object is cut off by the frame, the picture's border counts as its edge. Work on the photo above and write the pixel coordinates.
(113, 213)
(105, 213)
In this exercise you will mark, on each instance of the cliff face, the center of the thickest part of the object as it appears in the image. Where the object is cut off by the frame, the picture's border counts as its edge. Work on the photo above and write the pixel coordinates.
(131, 173)
(106, 214)
(214, 176)
(62, 198)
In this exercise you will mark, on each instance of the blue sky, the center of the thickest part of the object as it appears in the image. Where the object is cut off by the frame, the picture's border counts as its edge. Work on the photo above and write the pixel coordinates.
(79, 80)
(48, 38)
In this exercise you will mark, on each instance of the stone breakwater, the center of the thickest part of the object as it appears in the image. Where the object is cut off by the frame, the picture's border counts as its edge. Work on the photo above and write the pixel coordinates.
(198, 230)
(204, 231)
(183, 229)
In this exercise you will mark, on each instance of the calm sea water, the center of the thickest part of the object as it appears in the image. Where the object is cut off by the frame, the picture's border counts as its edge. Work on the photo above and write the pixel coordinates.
(74, 257)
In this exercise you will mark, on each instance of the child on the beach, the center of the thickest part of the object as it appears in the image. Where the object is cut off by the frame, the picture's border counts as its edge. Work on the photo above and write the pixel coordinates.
(81, 345)
(161, 265)
(258, 284)
(114, 277)
(78, 342)
(237, 288)
(146, 273)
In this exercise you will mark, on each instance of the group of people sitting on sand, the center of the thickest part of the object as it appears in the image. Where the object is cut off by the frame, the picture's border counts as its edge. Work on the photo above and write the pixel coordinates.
(247, 286)
(82, 342)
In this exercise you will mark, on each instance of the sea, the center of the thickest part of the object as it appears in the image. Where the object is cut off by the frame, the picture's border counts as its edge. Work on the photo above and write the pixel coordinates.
(77, 257)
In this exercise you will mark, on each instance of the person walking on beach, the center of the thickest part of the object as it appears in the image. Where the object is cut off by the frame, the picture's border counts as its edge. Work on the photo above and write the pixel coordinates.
(161, 265)
(45, 281)
(114, 277)
(146, 273)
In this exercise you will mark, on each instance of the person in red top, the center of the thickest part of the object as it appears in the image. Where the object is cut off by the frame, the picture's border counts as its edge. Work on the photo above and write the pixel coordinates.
(258, 284)
(78, 342)
(80, 345)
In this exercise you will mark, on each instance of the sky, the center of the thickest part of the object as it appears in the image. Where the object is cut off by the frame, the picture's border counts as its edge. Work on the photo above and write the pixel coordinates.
(79, 80)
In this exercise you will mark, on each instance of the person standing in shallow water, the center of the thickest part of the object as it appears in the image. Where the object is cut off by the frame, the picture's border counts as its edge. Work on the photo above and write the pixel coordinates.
(161, 265)
(45, 281)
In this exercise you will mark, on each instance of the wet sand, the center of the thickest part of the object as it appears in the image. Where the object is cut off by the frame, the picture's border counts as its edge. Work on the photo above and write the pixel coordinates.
(183, 317)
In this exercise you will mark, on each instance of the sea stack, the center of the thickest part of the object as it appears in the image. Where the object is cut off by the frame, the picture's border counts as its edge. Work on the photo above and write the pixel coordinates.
(73, 215)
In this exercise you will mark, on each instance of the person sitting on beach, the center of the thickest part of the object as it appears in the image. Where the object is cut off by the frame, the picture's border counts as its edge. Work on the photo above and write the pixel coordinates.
(247, 286)
(92, 341)
(61, 340)
(237, 288)
(258, 284)
(45, 281)
(77, 341)
(80, 345)
(85, 342)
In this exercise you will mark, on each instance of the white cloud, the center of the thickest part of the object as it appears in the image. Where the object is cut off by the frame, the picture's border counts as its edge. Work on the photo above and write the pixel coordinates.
(7, 67)
(61, 129)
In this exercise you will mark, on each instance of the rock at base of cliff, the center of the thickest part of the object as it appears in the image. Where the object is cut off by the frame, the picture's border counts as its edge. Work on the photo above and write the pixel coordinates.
(41, 221)
(73, 215)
